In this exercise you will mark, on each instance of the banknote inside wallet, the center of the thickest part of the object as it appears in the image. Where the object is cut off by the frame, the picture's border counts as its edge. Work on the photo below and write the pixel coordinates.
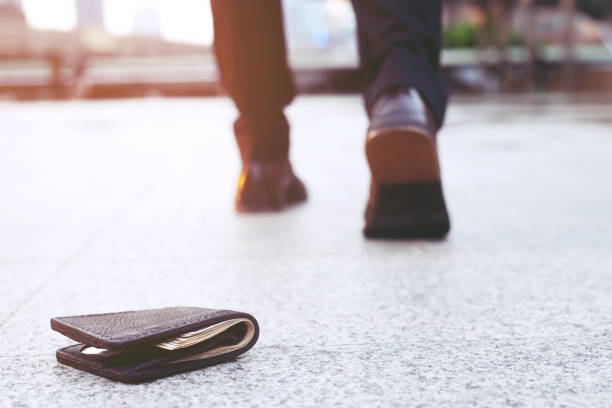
(224, 337)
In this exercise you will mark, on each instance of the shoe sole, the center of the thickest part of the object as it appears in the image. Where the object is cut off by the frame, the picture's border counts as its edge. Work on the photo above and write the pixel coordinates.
(408, 211)
(265, 208)
(410, 202)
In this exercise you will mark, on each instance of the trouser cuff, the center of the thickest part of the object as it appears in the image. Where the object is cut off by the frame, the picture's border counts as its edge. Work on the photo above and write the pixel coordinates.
(402, 69)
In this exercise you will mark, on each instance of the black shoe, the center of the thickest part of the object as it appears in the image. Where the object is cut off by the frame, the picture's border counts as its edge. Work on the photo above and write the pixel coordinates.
(406, 199)
(268, 187)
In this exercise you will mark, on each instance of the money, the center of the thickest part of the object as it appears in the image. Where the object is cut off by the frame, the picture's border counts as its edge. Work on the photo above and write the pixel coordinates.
(92, 350)
(222, 349)
(198, 336)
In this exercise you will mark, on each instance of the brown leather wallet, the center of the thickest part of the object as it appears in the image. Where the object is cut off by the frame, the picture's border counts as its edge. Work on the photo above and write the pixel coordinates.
(143, 345)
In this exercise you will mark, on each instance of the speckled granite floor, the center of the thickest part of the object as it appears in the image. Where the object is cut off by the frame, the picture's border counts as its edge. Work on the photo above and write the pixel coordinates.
(120, 205)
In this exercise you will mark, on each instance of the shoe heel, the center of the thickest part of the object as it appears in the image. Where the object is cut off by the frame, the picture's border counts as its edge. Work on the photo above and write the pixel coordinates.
(402, 156)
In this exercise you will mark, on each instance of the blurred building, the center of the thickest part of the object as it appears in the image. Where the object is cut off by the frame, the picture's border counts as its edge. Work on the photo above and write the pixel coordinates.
(11, 13)
(306, 23)
(146, 22)
(321, 34)
(548, 18)
(318, 23)
(463, 11)
(90, 13)
(13, 29)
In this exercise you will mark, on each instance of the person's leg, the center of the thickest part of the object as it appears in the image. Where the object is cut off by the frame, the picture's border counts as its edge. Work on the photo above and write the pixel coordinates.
(252, 59)
(399, 45)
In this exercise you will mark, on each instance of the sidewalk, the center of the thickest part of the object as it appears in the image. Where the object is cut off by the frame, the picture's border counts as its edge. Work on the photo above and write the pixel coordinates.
(123, 205)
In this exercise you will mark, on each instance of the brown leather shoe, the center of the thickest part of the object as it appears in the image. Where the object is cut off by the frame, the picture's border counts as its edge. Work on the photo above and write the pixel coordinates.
(406, 198)
(266, 186)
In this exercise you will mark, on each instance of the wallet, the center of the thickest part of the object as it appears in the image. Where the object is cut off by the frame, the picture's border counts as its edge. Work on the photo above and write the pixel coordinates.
(144, 345)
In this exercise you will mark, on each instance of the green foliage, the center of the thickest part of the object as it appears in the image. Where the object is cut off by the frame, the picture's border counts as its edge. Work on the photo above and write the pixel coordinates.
(460, 35)
(516, 39)
(467, 35)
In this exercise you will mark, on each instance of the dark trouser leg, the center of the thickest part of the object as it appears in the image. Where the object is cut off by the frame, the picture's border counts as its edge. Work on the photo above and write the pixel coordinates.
(399, 44)
(252, 59)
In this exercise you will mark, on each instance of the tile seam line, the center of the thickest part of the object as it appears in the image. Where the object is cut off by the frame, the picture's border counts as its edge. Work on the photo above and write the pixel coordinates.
(144, 192)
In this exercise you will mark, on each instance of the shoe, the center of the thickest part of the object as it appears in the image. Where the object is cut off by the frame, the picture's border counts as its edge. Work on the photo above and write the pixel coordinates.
(266, 186)
(406, 198)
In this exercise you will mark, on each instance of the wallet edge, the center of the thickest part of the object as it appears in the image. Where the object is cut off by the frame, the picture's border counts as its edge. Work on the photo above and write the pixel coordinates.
(150, 374)
(83, 336)
(67, 356)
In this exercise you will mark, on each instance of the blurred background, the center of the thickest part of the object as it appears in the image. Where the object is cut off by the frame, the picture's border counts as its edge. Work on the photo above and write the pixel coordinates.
(127, 204)
(66, 49)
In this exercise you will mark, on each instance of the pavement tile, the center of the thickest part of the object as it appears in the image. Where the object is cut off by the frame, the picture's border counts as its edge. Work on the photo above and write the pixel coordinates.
(125, 205)
(491, 373)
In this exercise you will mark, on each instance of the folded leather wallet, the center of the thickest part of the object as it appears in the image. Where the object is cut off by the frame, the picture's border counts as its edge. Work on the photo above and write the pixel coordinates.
(143, 345)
